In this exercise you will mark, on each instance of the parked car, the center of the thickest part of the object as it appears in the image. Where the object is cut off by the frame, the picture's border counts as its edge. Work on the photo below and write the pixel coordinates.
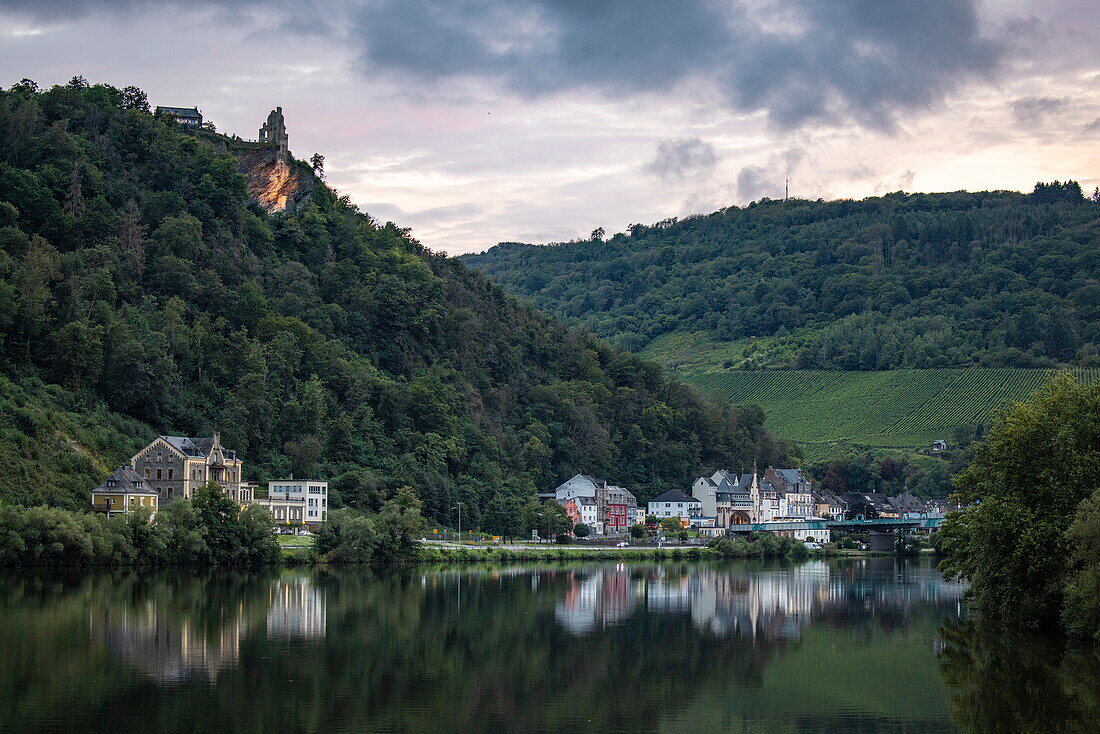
(622, 544)
(812, 545)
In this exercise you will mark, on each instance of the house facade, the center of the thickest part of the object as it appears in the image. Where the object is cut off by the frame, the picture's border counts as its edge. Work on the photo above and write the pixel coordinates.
(675, 503)
(294, 501)
(123, 491)
(615, 506)
(175, 466)
(183, 115)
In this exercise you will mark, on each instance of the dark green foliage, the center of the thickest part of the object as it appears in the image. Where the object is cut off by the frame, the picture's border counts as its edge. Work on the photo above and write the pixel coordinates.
(936, 280)
(389, 536)
(1025, 487)
(212, 530)
(761, 545)
(1081, 613)
(637, 531)
(141, 292)
(581, 530)
(925, 476)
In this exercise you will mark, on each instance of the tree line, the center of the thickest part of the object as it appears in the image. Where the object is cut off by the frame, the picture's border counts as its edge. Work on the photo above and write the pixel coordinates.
(992, 278)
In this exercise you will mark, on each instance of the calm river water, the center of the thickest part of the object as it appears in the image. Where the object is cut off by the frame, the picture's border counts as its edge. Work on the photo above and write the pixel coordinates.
(874, 645)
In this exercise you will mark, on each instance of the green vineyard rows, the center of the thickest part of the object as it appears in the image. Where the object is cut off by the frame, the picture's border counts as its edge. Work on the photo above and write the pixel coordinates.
(896, 409)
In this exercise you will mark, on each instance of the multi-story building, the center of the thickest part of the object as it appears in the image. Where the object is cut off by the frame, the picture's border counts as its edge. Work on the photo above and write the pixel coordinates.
(675, 503)
(175, 466)
(297, 500)
(123, 491)
(620, 508)
(584, 510)
(616, 507)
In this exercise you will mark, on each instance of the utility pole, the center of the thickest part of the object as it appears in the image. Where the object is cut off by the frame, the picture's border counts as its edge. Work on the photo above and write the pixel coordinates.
(459, 506)
(787, 190)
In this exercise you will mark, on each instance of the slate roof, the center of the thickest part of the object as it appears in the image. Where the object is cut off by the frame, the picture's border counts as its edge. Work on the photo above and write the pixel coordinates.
(188, 112)
(195, 446)
(674, 495)
(124, 479)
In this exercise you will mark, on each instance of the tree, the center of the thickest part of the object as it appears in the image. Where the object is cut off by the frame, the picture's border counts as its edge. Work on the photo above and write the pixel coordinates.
(671, 524)
(74, 198)
(317, 161)
(637, 531)
(581, 530)
(503, 516)
(1081, 614)
(1020, 493)
(597, 234)
(134, 98)
(548, 518)
(396, 527)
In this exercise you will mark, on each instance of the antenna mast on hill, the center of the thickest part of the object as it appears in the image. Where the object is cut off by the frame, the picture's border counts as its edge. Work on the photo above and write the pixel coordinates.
(787, 189)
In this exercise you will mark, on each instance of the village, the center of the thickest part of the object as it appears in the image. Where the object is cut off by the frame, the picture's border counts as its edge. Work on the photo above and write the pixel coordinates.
(780, 501)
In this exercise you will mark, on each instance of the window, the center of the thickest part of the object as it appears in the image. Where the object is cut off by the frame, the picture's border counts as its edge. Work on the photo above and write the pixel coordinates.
(160, 456)
(158, 472)
(169, 473)
(146, 472)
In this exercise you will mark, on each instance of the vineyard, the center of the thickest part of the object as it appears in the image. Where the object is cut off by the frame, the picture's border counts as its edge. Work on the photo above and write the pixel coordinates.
(894, 409)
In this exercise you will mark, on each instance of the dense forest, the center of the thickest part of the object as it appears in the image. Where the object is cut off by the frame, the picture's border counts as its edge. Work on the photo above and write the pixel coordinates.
(142, 293)
(999, 279)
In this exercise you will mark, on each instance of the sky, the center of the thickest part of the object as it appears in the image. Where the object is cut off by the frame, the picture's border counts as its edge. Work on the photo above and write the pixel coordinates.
(474, 122)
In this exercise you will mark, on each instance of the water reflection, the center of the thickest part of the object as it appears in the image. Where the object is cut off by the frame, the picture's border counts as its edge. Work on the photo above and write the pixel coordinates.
(171, 633)
(1005, 681)
(749, 646)
(774, 603)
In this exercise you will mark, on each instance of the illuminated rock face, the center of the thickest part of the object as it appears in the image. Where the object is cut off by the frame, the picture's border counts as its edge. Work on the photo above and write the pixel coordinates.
(273, 180)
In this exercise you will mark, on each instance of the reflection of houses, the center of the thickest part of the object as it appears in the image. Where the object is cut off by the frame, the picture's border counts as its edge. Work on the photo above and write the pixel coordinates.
(297, 609)
(774, 604)
(170, 646)
(596, 601)
(167, 649)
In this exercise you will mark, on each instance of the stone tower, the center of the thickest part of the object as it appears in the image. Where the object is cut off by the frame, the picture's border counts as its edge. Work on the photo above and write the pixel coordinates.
(274, 130)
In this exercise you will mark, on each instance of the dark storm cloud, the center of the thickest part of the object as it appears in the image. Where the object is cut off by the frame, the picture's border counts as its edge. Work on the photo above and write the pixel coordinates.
(678, 160)
(797, 61)
(1032, 110)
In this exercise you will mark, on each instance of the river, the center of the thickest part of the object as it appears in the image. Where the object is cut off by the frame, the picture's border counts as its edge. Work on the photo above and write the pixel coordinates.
(870, 645)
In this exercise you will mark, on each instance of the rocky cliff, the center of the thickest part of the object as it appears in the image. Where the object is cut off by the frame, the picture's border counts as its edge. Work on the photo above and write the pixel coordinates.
(274, 180)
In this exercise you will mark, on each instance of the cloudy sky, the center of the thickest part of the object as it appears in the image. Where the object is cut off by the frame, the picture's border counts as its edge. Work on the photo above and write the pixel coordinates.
(479, 121)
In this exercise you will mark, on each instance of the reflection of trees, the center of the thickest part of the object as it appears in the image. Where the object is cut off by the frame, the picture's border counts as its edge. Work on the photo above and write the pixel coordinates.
(1007, 681)
(456, 649)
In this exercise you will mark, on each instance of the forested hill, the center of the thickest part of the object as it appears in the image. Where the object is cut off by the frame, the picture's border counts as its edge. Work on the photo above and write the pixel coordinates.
(142, 293)
(924, 280)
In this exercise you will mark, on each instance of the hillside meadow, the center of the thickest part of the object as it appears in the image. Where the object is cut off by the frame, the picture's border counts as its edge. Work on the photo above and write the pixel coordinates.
(903, 409)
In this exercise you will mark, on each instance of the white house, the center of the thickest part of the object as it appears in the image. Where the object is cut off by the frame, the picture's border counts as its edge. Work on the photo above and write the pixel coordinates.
(312, 493)
(675, 503)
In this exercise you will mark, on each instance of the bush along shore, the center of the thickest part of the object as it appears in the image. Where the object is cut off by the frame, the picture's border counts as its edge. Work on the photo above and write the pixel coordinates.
(212, 530)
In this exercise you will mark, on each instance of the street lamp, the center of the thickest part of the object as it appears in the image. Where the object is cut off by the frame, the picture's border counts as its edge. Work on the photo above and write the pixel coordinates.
(459, 506)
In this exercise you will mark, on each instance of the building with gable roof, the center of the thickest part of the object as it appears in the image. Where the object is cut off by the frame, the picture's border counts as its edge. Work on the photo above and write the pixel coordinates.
(175, 466)
(675, 503)
(183, 115)
(616, 507)
(123, 491)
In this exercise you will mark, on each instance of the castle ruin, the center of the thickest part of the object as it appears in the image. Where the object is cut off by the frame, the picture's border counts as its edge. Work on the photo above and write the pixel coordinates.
(274, 130)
